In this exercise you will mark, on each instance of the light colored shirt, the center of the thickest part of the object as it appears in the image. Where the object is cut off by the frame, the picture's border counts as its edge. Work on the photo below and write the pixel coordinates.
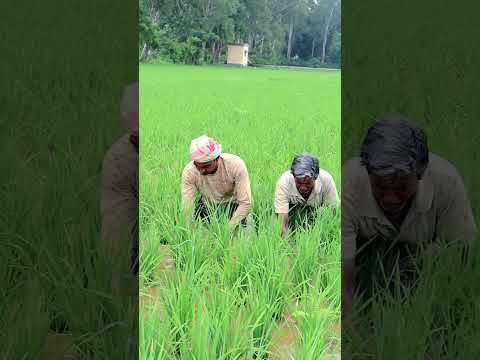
(230, 183)
(440, 208)
(324, 193)
(119, 195)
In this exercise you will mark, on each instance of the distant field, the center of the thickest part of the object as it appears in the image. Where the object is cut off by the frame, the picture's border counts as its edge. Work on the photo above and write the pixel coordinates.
(259, 296)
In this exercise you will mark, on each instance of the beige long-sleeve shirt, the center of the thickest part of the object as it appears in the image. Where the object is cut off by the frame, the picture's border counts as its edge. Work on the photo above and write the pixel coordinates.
(119, 196)
(440, 209)
(230, 183)
(324, 193)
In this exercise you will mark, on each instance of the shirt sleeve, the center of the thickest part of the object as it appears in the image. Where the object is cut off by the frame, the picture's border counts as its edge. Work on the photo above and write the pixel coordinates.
(349, 219)
(455, 219)
(189, 190)
(242, 193)
(331, 195)
(281, 202)
(119, 200)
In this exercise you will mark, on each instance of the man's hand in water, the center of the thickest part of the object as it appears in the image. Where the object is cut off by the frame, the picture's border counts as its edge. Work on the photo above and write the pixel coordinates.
(232, 227)
(284, 224)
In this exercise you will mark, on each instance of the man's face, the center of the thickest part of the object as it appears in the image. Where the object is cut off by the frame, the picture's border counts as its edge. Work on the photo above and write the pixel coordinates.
(305, 185)
(393, 192)
(207, 168)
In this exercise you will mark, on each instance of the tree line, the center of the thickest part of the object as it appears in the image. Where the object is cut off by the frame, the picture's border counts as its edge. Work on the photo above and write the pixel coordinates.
(280, 32)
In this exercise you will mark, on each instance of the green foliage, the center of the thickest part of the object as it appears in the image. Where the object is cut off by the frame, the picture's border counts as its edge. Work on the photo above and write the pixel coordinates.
(172, 29)
(335, 50)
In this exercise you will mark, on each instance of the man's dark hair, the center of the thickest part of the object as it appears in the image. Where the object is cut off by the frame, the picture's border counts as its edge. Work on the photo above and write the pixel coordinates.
(394, 145)
(305, 165)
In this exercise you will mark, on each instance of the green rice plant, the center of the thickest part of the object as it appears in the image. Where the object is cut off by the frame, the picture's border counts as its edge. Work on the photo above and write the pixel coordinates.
(156, 341)
(315, 322)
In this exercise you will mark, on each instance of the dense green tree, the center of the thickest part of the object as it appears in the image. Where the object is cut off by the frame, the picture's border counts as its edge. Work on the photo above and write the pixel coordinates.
(297, 32)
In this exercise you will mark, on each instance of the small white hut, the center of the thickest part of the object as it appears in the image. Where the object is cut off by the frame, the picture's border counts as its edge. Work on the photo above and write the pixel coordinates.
(237, 54)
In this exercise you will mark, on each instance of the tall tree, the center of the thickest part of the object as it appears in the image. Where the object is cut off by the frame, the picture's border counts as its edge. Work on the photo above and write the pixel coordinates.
(328, 25)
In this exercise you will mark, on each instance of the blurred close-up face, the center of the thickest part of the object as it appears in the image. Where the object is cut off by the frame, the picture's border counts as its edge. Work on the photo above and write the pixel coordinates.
(305, 185)
(207, 168)
(394, 193)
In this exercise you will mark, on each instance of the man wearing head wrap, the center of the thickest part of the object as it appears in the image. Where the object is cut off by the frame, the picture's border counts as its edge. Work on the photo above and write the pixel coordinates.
(398, 195)
(119, 202)
(220, 179)
(301, 190)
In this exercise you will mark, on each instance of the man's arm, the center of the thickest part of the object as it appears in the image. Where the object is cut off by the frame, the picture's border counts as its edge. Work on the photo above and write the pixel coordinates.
(119, 196)
(455, 220)
(119, 211)
(281, 205)
(349, 233)
(331, 198)
(189, 192)
(284, 220)
(243, 194)
(348, 273)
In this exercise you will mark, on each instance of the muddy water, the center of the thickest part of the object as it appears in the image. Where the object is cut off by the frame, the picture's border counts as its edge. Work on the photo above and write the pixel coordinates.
(284, 339)
(165, 268)
(335, 342)
(167, 263)
(149, 297)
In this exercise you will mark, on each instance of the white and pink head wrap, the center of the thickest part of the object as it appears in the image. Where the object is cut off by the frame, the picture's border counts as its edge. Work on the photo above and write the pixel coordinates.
(204, 149)
(129, 108)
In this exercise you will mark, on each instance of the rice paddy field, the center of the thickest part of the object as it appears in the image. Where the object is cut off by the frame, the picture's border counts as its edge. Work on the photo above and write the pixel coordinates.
(203, 293)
